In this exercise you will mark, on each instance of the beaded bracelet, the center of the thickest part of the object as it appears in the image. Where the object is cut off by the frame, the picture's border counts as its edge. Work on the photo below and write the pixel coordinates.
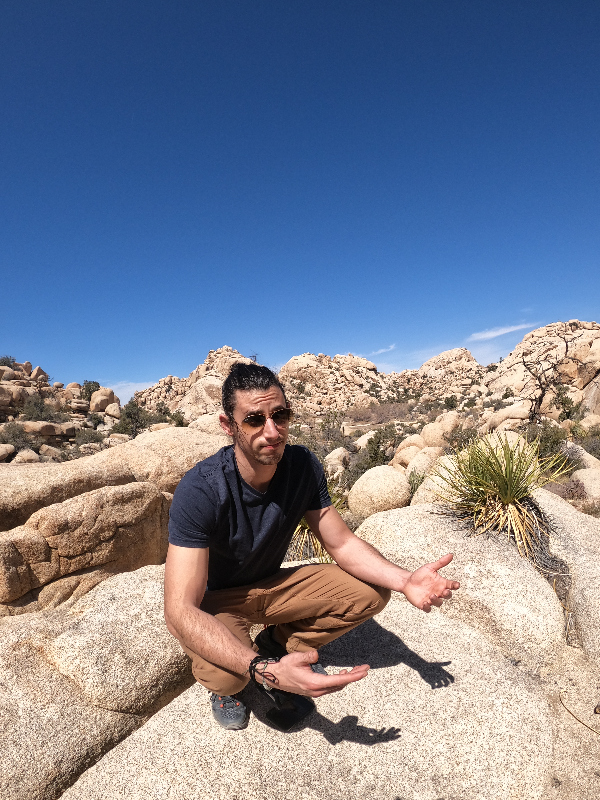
(254, 667)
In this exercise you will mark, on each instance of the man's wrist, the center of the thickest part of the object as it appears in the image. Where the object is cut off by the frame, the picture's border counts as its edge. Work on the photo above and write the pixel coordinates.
(402, 580)
(259, 671)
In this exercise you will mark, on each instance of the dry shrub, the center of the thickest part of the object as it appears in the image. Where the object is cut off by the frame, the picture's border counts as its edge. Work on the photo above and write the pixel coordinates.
(379, 414)
(569, 490)
(359, 413)
(593, 509)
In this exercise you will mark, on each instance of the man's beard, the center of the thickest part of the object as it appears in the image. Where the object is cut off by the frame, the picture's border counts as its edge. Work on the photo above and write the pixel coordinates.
(268, 459)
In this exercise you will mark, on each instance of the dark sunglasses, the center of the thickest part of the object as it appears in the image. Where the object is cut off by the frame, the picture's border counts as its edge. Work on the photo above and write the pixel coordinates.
(281, 418)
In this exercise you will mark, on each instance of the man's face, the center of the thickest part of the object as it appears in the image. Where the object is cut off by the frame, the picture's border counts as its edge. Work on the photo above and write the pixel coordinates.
(263, 445)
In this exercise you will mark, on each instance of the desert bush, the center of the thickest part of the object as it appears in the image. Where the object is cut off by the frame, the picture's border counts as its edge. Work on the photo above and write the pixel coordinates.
(13, 433)
(360, 413)
(590, 440)
(386, 412)
(491, 482)
(178, 419)
(431, 407)
(7, 361)
(88, 389)
(415, 479)
(37, 409)
(460, 438)
(569, 408)
(162, 414)
(95, 419)
(451, 402)
(87, 436)
(470, 402)
(373, 455)
(550, 438)
(508, 393)
(134, 419)
(380, 413)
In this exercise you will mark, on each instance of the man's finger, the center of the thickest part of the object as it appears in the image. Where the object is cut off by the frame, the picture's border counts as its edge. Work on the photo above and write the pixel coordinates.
(441, 562)
(335, 683)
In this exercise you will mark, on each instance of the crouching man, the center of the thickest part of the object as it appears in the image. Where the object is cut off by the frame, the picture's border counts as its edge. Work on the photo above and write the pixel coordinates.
(231, 522)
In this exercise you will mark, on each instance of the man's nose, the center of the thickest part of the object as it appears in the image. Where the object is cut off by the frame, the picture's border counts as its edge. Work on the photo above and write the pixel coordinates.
(270, 430)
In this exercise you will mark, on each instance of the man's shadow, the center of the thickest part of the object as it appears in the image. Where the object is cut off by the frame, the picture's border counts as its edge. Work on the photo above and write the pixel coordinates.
(368, 644)
(371, 644)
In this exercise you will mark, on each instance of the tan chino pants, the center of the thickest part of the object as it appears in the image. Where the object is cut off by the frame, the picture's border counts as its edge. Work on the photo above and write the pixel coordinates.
(309, 606)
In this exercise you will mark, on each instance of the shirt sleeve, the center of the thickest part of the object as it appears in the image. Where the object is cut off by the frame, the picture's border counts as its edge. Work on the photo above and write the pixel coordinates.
(321, 498)
(192, 516)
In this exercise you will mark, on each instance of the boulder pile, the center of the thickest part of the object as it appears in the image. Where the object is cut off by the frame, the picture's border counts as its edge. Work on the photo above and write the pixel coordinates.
(200, 392)
(66, 526)
(466, 702)
(317, 384)
(20, 382)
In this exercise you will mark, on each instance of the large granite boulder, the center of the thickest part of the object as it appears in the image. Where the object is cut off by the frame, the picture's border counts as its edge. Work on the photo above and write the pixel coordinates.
(576, 540)
(378, 489)
(76, 680)
(160, 457)
(120, 527)
(442, 714)
(501, 595)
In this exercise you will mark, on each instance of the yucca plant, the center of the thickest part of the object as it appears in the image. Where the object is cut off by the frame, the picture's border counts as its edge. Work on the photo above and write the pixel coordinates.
(491, 482)
(305, 544)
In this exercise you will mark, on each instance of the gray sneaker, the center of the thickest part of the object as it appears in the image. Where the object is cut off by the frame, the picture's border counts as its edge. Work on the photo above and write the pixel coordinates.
(269, 647)
(229, 711)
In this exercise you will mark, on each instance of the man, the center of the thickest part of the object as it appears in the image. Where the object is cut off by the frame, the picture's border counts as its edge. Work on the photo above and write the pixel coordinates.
(231, 522)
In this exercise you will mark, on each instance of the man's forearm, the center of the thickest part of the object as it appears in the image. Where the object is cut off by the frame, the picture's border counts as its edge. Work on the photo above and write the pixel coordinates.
(364, 562)
(204, 634)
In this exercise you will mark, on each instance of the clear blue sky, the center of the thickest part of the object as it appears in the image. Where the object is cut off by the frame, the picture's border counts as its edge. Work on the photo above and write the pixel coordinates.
(286, 176)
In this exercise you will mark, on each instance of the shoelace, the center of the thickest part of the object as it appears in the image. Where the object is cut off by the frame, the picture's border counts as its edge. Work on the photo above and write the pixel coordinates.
(229, 702)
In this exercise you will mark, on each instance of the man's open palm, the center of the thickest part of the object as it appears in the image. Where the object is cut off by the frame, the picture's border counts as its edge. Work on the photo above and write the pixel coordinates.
(426, 587)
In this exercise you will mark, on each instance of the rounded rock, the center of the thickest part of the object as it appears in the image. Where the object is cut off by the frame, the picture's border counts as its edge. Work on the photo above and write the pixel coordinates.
(379, 489)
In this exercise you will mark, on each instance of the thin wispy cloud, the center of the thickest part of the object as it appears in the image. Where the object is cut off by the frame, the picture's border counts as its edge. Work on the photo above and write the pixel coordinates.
(492, 333)
(383, 350)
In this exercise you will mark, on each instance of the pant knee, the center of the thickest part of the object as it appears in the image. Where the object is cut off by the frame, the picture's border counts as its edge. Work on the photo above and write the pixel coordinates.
(219, 680)
(225, 684)
(377, 598)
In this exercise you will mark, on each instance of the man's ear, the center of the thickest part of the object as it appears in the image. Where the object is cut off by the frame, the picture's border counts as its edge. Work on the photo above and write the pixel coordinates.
(226, 424)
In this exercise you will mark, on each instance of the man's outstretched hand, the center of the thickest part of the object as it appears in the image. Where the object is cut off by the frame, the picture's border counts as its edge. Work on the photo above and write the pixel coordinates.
(294, 675)
(426, 587)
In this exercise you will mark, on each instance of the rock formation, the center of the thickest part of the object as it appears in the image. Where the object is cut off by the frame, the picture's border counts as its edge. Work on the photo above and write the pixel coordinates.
(104, 513)
(462, 702)
(200, 392)
(77, 679)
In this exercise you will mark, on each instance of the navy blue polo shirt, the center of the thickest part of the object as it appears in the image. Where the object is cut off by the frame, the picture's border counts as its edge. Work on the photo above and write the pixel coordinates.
(248, 532)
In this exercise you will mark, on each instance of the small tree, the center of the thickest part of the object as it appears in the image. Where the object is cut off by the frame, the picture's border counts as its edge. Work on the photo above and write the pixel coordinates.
(88, 389)
(544, 375)
(7, 361)
(134, 419)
